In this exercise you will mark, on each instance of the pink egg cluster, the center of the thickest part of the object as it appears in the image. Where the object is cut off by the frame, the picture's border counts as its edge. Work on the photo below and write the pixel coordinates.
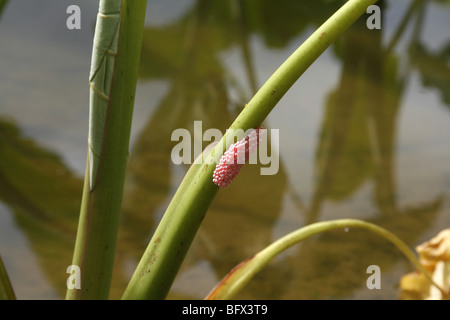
(235, 157)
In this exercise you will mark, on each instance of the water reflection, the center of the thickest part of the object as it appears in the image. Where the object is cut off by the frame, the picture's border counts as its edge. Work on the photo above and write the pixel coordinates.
(44, 198)
(357, 146)
(357, 143)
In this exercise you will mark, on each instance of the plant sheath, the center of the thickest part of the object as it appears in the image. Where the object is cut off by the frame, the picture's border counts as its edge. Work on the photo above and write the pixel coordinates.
(114, 70)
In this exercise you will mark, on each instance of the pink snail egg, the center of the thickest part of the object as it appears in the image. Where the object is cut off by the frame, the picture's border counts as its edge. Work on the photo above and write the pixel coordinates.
(234, 158)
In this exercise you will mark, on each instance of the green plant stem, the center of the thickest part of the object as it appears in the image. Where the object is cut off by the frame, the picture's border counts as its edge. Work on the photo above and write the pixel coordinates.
(288, 73)
(238, 278)
(6, 289)
(100, 210)
(171, 240)
(160, 263)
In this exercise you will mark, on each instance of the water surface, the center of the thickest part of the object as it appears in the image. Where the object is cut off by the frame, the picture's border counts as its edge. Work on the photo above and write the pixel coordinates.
(364, 134)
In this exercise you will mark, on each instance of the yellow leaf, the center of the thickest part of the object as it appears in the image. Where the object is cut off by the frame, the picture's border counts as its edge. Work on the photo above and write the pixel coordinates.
(435, 257)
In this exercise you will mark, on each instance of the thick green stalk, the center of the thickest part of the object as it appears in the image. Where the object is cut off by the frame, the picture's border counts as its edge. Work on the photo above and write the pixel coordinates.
(103, 188)
(160, 263)
(238, 278)
(165, 252)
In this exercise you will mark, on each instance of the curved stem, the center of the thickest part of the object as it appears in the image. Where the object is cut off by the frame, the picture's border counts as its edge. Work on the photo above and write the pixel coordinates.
(238, 278)
(161, 261)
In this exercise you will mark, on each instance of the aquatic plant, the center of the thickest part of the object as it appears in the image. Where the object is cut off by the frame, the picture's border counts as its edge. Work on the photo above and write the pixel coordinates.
(115, 60)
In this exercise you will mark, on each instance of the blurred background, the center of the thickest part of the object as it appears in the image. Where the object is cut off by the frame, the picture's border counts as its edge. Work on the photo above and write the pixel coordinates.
(364, 133)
